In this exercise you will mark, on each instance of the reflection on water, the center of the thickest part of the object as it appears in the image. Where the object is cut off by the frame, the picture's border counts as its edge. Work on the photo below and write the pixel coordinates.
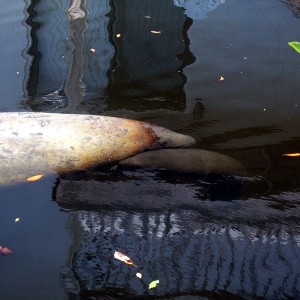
(204, 248)
(151, 32)
(163, 61)
(111, 51)
(217, 260)
(196, 9)
(174, 232)
(74, 86)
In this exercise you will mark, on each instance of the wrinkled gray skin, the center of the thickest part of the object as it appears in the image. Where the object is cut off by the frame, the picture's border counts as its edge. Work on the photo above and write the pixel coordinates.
(194, 161)
(44, 143)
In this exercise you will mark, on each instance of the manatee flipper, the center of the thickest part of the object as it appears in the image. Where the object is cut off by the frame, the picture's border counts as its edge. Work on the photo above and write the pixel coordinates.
(194, 161)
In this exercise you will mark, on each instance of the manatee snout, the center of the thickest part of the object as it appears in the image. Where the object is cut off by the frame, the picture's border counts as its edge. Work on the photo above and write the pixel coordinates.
(165, 138)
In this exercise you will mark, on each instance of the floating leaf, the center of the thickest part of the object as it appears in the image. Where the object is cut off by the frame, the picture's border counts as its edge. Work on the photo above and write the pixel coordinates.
(139, 275)
(221, 78)
(5, 251)
(291, 154)
(122, 257)
(17, 220)
(118, 35)
(93, 50)
(34, 178)
(155, 32)
(153, 284)
(147, 17)
(295, 45)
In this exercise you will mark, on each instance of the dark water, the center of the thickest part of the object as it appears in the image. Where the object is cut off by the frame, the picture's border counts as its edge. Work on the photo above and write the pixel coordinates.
(203, 237)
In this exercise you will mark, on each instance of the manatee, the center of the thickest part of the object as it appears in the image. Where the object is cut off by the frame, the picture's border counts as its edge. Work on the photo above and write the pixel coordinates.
(193, 161)
(44, 143)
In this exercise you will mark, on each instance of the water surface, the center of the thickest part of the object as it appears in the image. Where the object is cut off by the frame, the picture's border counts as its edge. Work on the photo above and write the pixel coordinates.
(220, 71)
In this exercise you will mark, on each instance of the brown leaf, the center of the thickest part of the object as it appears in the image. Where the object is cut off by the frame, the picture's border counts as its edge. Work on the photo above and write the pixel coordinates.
(35, 177)
(291, 154)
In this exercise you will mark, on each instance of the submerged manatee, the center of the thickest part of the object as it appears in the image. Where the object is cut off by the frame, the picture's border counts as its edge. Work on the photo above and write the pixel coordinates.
(43, 143)
(193, 161)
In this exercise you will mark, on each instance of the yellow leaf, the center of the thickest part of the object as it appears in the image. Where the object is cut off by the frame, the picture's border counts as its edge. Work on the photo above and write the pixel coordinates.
(153, 284)
(295, 45)
(122, 257)
(34, 178)
(291, 154)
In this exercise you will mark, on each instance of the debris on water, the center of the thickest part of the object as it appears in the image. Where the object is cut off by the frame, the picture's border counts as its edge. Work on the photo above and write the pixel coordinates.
(35, 177)
(122, 257)
(291, 154)
(153, 284)
(295, 46)
(4, 251)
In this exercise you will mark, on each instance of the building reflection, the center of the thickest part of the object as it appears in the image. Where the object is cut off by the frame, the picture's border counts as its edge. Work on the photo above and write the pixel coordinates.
(151, 44)
(198, 235)
(198, 9)
(195, 248)
(63, 67)
(104, 55)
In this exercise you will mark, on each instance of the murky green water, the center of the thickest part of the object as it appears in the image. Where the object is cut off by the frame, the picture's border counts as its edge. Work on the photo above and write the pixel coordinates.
(220, 71)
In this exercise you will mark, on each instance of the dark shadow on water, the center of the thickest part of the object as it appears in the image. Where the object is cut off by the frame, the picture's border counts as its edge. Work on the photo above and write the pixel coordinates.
(185, 245)
(210, 249)
(138, 75)
(93, 187)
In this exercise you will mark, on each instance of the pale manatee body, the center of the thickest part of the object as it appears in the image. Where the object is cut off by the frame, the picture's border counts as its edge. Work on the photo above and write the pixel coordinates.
(44, 143)
(193, 161)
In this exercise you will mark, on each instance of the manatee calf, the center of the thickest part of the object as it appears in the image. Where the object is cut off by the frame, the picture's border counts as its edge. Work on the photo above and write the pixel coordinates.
(43, 143)
(187, 161)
